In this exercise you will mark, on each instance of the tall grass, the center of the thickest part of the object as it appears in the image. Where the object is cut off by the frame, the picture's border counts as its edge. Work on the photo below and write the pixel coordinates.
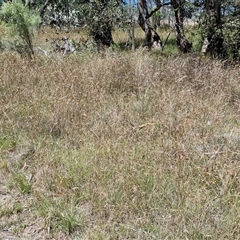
(126, 146)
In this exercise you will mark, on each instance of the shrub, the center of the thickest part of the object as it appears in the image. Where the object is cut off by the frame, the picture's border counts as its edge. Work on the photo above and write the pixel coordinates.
(21, 22)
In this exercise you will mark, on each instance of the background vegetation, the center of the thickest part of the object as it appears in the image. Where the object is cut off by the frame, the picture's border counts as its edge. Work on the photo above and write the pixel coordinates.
(217, 21)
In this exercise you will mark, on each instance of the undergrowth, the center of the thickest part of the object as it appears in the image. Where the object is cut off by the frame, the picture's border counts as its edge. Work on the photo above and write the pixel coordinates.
(122, 146)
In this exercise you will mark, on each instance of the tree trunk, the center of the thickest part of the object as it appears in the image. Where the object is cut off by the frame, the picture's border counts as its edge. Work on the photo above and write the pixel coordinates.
(102, 32)
(182, 42)
(103, 36)
(152, 39)
(132, 26)
(213, 38)
(43, 9)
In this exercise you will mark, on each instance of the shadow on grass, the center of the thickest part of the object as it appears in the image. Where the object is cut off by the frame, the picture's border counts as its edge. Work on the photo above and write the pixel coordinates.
(127, 45)
(170, 47)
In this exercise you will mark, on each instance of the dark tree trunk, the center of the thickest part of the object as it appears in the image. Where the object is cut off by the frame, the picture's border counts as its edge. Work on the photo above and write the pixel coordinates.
(102, 32)
(182, 42)
(43, 9)
(103, 36)
(213, 42)
(152, 39)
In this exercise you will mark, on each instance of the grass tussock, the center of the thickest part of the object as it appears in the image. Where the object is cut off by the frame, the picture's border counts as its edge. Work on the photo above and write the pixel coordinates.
(120, 146)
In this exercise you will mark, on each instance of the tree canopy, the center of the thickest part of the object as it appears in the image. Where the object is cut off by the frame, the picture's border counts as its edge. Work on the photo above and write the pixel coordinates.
(218, 20)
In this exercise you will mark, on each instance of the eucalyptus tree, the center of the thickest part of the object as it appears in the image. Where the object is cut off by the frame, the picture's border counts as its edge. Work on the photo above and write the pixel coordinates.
(179, 7)
(100, 17)
(231, 28)
(212, 25)
(55, 12)
(152, 38)
(221, 27)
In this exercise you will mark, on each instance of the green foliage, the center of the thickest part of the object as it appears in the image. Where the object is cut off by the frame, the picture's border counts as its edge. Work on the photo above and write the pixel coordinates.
(103, 12)
(225, 38)
(231, 36)
(222, 28)
(101, 17)
(21, 22)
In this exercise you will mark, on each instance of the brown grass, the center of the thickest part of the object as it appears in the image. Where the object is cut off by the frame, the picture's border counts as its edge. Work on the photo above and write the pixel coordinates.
(119, 146)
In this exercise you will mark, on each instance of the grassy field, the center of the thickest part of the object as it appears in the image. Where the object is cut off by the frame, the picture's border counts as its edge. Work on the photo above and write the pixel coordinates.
(119, 145)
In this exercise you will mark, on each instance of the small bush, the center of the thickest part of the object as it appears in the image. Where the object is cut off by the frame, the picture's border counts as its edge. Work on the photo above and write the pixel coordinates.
(21, 22)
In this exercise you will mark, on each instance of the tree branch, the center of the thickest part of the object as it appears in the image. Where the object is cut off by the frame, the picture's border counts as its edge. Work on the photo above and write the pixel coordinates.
(43, 9)
(159, 5)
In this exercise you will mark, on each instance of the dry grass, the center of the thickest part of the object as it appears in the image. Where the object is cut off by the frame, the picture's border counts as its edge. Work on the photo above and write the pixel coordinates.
(119, 146)
(120, 36)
